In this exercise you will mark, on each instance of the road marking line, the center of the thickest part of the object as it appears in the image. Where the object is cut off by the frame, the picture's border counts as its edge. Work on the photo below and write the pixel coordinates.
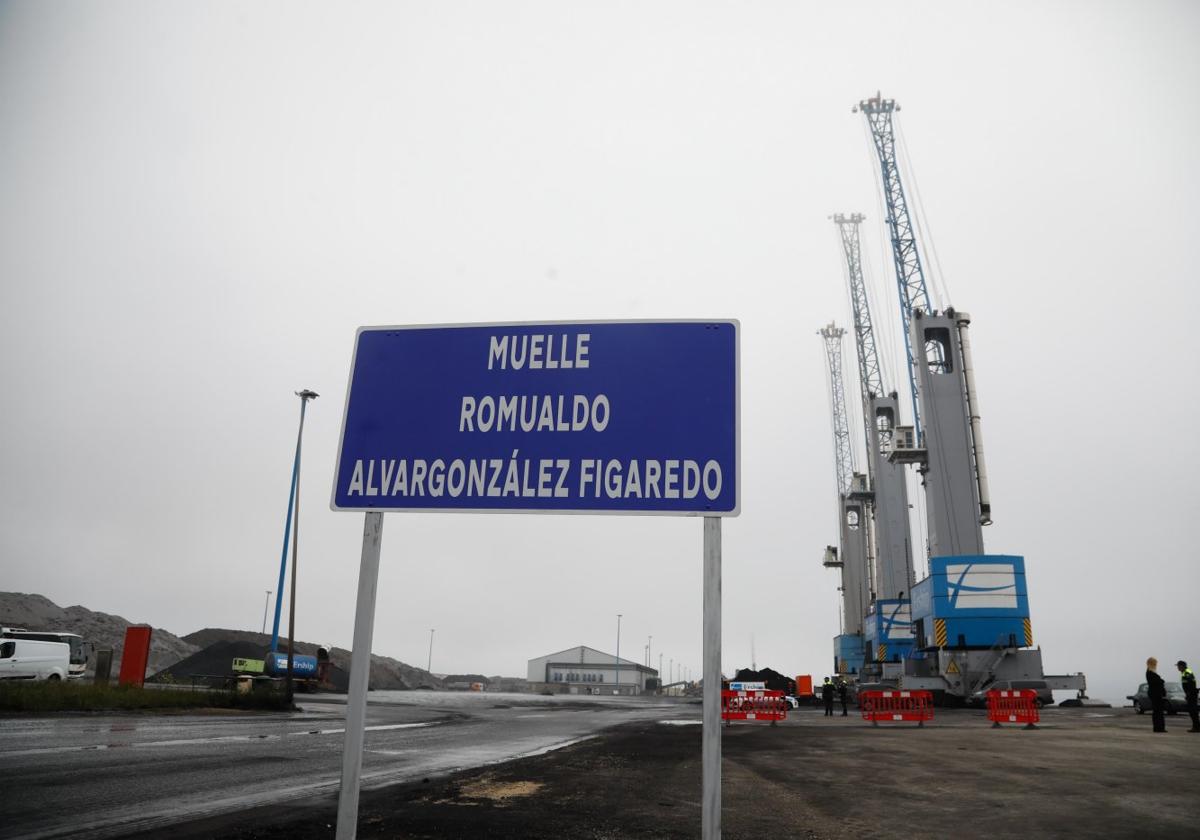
(216, 739)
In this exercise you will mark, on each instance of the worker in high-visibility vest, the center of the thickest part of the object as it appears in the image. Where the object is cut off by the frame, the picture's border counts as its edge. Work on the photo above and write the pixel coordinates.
(842, 690)
(1188, 678)
(827, 696)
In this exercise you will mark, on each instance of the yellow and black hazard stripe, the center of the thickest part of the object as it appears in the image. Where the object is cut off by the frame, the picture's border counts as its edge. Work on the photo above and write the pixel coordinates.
(1028, 634)
(939, 632)
(882, 656)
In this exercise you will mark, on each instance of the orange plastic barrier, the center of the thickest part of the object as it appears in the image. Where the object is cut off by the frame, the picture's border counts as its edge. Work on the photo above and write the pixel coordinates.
(755, 704)
(896, 705)
(1013, 706)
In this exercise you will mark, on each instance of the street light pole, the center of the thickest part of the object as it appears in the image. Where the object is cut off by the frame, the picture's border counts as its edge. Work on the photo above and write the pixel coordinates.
(429, 663)
(304, 396)
(618, 662)
(266, 604)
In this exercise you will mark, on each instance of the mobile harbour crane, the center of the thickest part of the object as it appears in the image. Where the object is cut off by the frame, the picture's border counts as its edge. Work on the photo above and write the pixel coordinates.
(970, 619)
(887, 627)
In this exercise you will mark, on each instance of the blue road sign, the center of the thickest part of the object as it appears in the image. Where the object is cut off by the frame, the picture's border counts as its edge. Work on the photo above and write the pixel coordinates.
(606, 417)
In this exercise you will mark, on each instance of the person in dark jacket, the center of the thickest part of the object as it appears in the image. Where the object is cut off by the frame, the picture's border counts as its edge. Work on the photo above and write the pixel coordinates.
(827, 696)
(1188, 677)
(1157, 689)
(843, 690)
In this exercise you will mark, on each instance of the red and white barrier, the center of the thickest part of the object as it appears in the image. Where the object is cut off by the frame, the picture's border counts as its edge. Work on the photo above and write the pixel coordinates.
(1013, 706)
(754, 704)
(892, 706)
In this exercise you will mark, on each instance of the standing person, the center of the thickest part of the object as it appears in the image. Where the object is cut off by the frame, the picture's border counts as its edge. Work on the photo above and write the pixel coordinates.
(827, 696)
(1157, 690)
(1188, 678)
(843, 689)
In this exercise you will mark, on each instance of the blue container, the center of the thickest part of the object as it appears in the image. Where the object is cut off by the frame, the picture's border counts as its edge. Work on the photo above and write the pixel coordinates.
(974, 601)
(303, 667)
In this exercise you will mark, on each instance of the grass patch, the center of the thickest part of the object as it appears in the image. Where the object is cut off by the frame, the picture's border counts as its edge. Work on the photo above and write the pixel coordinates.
(87, 697)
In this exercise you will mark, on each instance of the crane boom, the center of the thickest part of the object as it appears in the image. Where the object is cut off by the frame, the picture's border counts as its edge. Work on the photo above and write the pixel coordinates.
(842, 450)
(910, 276)
(869, 377)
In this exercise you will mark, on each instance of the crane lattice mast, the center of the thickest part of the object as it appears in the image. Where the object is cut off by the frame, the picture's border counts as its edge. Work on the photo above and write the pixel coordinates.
(869, 376)
(910, 277)
(843, 452)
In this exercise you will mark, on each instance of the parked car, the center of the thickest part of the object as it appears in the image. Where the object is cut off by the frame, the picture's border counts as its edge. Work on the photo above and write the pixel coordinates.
(1045, 697)
(1176, 700)
(858, 688)
(31, 659)
(792, 702)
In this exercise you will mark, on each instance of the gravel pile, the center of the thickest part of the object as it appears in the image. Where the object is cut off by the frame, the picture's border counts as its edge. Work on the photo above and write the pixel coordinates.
(104, 631)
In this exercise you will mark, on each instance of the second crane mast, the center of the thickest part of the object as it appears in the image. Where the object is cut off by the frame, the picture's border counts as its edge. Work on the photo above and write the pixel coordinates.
(893, 541)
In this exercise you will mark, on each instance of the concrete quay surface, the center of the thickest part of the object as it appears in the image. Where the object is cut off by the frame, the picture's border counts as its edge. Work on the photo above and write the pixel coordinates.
(1082, 773)
(522, 767)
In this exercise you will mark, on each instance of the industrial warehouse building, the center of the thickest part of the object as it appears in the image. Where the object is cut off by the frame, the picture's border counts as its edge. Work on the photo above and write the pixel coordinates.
(585, 670)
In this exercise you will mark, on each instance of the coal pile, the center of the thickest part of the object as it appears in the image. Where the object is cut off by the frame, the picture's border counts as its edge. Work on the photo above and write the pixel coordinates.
(215, 662)
(386, 673)
(774, 680)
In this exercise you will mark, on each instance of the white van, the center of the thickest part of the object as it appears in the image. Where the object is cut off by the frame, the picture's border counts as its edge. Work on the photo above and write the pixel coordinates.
(30, 659)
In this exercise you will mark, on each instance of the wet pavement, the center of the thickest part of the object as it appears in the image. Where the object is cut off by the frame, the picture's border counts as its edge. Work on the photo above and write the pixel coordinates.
(110, 775)
(1084, 773)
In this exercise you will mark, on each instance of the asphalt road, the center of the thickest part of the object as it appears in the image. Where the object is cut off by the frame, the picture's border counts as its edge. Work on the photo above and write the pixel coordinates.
(109, 775)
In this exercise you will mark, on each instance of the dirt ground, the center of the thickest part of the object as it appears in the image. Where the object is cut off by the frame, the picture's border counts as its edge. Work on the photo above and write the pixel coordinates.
(1083, 773)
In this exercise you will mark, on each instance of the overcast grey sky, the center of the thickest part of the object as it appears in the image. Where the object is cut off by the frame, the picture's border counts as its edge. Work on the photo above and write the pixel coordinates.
(201, 203)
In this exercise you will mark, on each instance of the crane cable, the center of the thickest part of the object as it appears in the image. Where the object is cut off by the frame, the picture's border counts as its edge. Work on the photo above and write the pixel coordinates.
(921, 218)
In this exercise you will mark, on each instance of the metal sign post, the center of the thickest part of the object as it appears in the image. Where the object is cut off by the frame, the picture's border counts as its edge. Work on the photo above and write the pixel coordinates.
(360, 672)
(615, 417)
(710, 810)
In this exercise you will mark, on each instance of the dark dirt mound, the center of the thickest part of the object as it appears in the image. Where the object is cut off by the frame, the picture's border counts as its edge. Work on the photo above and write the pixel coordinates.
(774, 680)
(216, 660)
(386, 673)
